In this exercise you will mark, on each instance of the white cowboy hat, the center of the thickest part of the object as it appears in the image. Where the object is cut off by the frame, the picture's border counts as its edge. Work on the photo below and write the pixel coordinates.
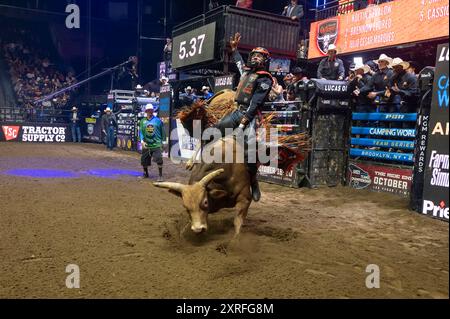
(358, 66)
(205, 88)
(139, 87)
(74, 108)
(384, 57)
(149, 107)
(108, 109)
(332, 47)
(398, 61)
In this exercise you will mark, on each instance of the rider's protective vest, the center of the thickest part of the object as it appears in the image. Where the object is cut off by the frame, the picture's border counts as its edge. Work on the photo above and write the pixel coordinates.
(247, 86)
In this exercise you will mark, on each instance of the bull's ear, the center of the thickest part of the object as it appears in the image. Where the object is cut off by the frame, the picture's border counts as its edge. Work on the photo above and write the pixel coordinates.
(218, 194)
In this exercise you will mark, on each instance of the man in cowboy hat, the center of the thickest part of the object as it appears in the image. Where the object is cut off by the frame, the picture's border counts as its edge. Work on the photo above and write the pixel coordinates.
(152, 135)
(164, 80)
(189, 95)
(360, 79)
(75, 121)
(299, 75)
(376, 88)
(331, 68)
(109, 123)
(206, 94)
(403, 87)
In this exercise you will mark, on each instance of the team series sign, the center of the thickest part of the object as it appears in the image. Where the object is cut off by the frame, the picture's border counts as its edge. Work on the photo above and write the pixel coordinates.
(45, 133)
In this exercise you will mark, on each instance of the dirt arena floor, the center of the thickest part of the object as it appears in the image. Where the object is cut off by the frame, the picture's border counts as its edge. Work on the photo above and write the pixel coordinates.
(124, 234)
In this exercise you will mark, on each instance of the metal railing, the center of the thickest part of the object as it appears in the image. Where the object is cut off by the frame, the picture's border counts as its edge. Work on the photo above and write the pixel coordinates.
(21, 115)
(334, 8)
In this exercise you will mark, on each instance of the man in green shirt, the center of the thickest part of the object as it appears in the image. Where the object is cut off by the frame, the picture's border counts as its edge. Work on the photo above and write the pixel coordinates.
(152, 135)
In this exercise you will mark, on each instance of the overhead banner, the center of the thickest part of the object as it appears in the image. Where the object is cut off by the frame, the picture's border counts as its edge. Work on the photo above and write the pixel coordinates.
(384, 25)
(35, 133)
(380, 178)
(435, 194)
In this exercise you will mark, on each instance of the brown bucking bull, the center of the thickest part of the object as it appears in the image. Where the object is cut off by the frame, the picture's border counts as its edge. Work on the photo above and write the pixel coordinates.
(215, 186)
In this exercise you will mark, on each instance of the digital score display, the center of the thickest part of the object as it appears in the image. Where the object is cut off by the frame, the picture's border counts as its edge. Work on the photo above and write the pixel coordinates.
(194, 47)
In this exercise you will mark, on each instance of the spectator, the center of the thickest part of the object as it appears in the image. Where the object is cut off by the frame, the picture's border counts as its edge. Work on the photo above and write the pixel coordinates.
(153, 98)
(331, 68)
(206, 94)
(373, 67)
(361, 78)
(376, 88)
(293, 11)
(168, 50)
(164, 80)
(188, 96)
(302, 50)
(276, 93)
(75, 121)
(288, 79)
(298, 81)
(32, 73)
(412, 68)
(109, 124)
(213, 4)
(403, 87)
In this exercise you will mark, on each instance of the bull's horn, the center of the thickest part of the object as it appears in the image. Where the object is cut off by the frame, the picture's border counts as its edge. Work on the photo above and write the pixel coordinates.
(177, 187)
(208, 178)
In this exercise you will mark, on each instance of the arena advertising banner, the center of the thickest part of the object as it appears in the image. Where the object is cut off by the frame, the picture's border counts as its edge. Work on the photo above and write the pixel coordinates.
(379, 178)
(35, 133)
(276, 175)
(223, 83)
(165, 99)
(126, 131)
(92, 130)
(384, 25)
(187, 144)
(435, 194)
(420, 151)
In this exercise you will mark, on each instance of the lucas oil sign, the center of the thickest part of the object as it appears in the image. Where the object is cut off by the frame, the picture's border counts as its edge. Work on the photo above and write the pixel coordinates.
(45, 133)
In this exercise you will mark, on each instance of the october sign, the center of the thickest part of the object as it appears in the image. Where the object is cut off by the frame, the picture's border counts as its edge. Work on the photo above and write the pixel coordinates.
(194, 46)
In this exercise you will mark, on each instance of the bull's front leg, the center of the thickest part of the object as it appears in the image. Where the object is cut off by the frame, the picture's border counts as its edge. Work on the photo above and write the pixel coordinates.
(242, 206)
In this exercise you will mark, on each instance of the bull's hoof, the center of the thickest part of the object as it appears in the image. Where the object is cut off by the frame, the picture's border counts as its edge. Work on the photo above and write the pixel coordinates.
(256, 194)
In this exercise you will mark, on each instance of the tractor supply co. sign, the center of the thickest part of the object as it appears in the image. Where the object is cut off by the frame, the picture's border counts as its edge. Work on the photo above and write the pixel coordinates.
(45, 133)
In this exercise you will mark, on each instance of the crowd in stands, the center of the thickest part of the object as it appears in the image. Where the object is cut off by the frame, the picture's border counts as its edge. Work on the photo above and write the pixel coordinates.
(32, 72)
